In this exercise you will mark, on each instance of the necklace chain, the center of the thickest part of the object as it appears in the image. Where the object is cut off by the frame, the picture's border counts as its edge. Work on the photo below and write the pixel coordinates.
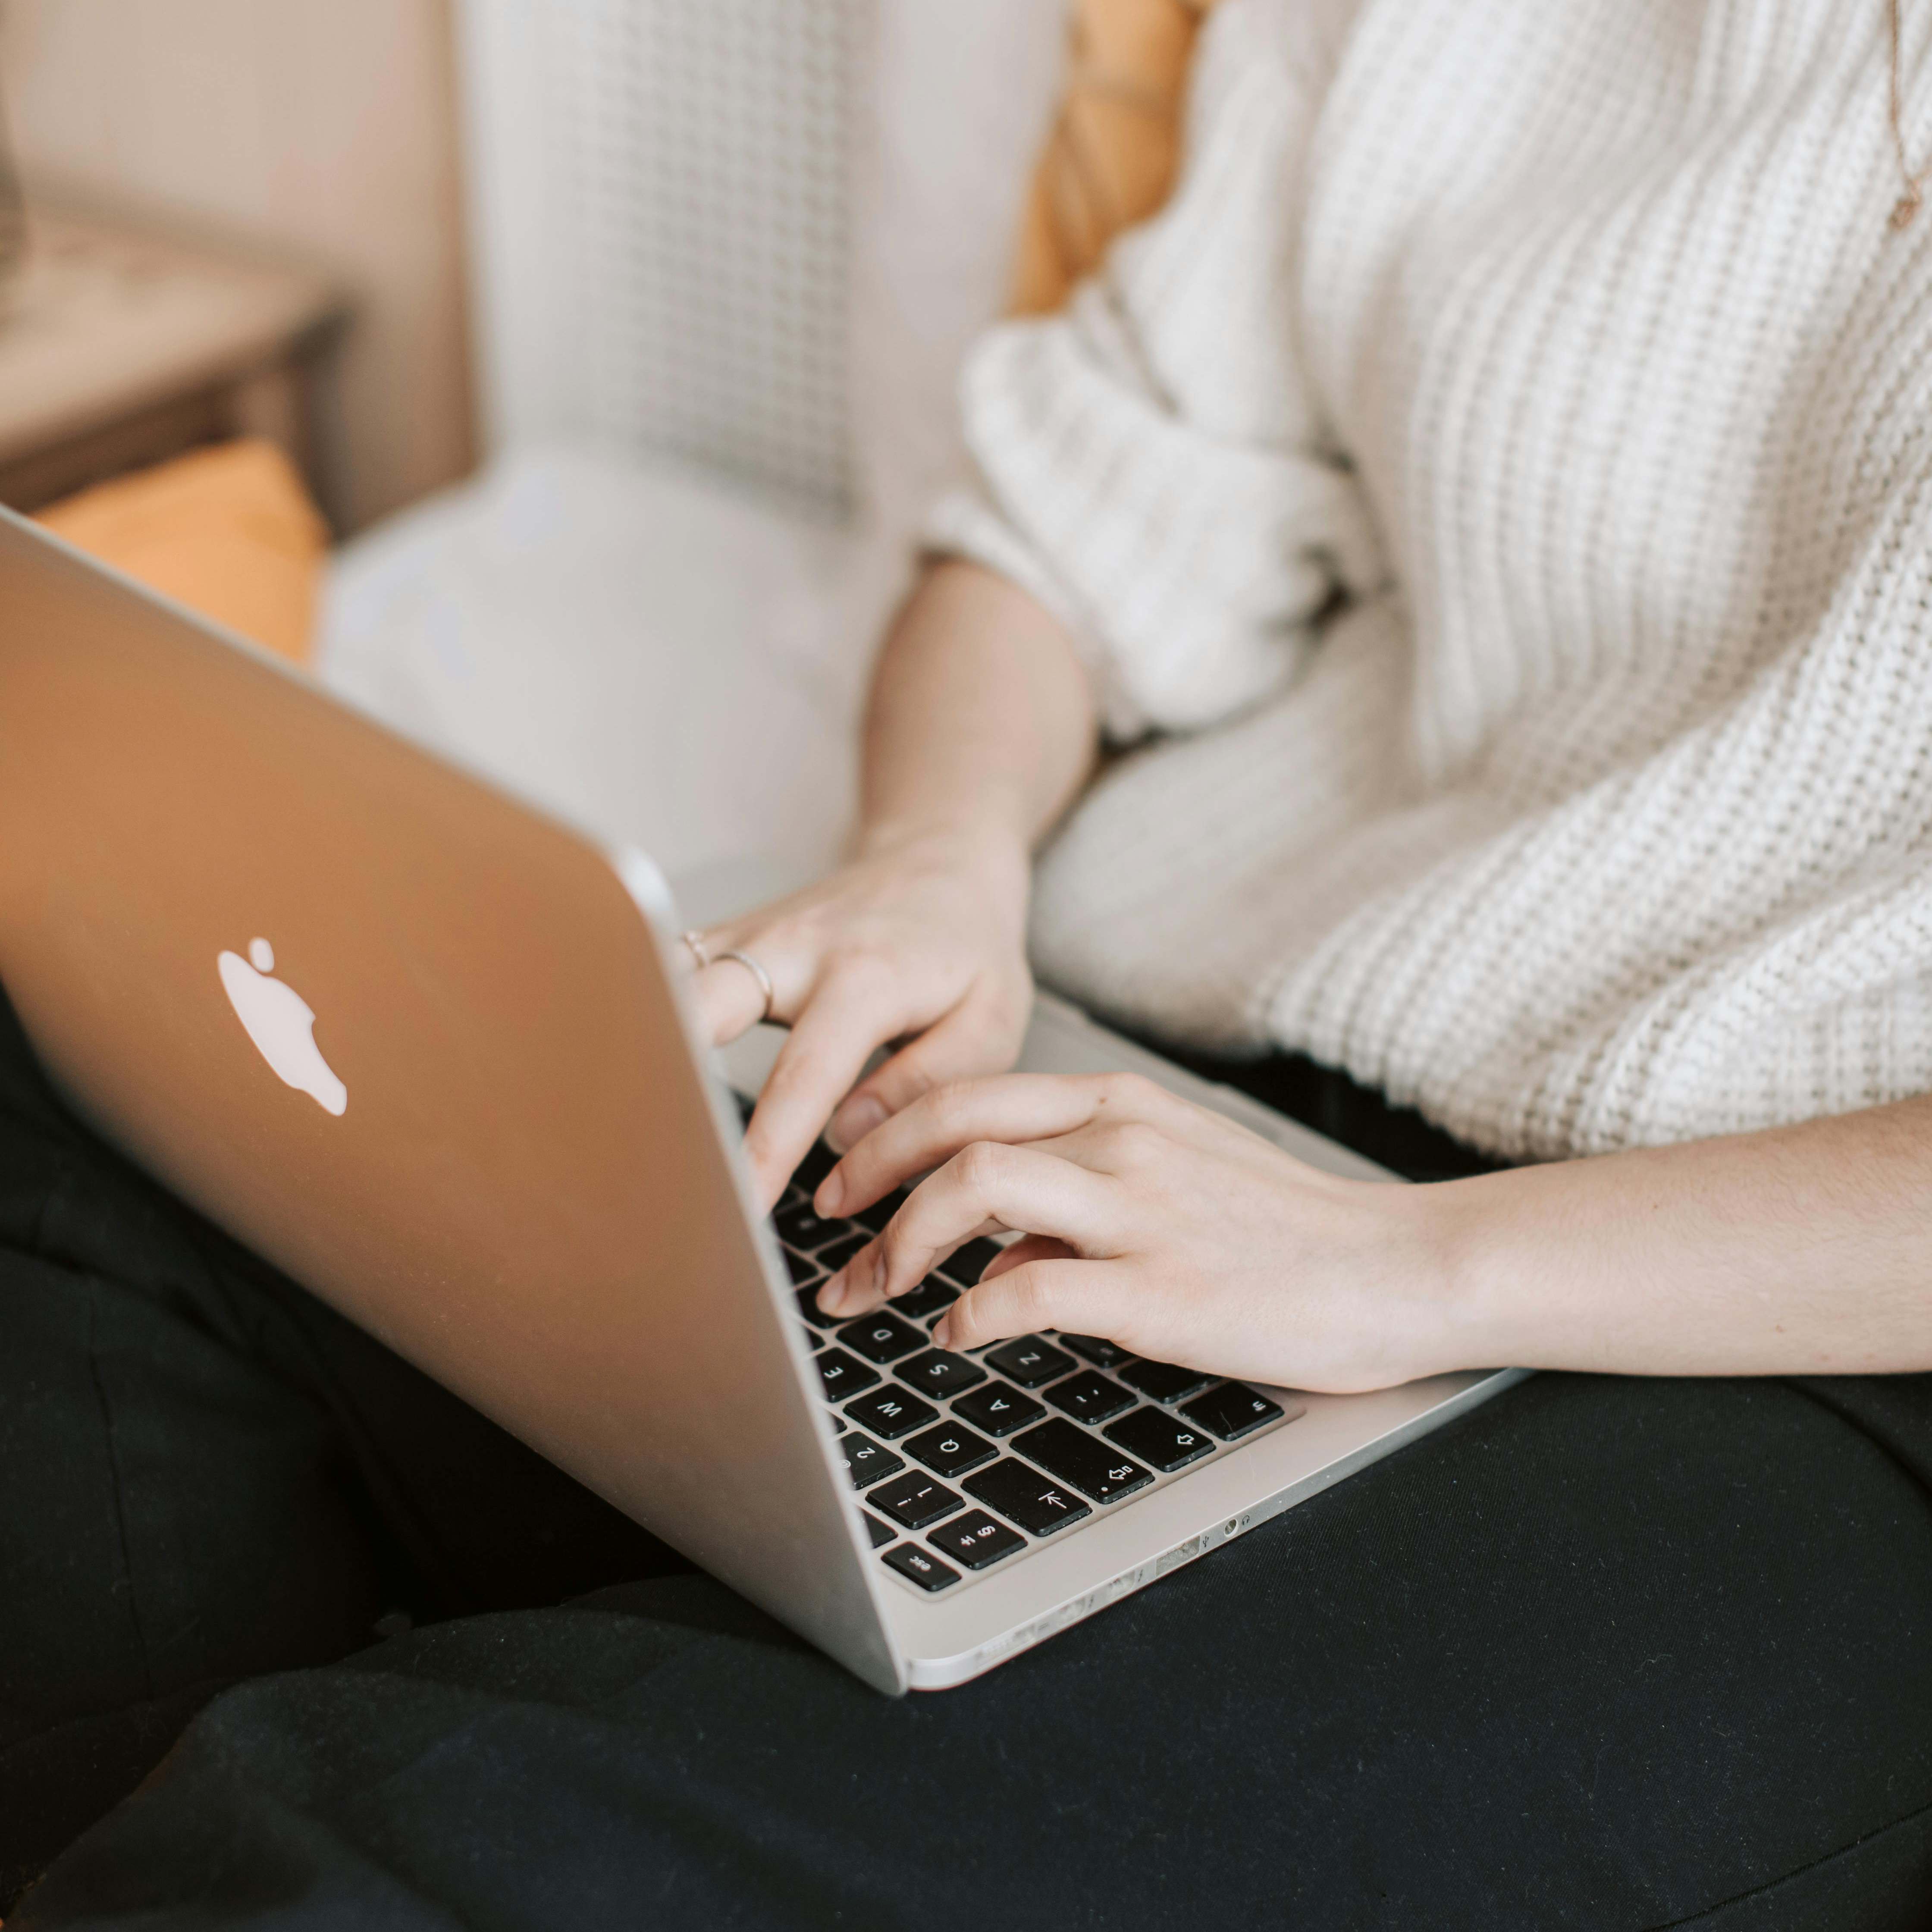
(1908, 203)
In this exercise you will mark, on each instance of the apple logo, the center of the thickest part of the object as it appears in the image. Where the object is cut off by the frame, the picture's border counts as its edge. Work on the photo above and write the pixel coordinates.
(281, 1025)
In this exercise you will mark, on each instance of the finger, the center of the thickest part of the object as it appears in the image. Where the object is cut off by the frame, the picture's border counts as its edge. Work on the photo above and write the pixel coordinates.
(1081, 1297)
(976, 1037)
(1027, 1248)
(730, 996)
(729, 1001)
(830, 1042)
(1012, 1108)
(986, 1187)
(856, 1290)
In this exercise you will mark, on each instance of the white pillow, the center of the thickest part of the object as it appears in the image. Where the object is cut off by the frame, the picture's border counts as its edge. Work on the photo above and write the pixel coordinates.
(669, 659)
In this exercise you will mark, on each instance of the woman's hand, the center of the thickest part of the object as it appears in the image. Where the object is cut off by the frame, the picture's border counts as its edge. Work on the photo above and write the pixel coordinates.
(979, 729)
(1162, 1226)
(920, 938)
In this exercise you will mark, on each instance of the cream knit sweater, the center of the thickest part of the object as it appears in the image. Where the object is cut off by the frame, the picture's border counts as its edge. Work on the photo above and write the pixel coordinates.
(1501, 480)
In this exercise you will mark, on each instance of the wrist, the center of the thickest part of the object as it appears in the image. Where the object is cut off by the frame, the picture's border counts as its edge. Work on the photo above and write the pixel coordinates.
(1468, 1232)
(984, 846)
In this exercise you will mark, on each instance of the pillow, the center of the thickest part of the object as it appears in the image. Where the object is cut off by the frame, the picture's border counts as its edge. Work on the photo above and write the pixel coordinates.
(229, 531)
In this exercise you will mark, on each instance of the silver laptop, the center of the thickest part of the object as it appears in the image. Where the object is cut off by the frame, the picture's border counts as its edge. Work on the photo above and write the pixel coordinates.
(426, 1048)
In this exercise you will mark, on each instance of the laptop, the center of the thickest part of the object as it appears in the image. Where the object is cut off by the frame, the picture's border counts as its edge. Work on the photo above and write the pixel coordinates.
(427, 1048)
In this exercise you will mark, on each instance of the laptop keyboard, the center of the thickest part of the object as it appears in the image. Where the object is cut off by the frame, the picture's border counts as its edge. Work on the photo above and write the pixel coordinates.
(966, 1461)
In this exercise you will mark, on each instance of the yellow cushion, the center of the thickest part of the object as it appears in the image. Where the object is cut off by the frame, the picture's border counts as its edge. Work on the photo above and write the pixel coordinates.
(1111, 157)
(229, 531)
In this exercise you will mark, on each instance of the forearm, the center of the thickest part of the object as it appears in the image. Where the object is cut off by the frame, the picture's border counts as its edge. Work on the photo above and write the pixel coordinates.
(981, 722)
(1801, 1250)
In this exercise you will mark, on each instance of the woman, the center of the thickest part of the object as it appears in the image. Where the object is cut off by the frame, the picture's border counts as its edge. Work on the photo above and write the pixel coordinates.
(1497, 487)
(1531, 496)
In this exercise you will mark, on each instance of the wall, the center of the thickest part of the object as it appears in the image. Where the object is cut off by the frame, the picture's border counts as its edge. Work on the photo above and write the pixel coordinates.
(329, 130)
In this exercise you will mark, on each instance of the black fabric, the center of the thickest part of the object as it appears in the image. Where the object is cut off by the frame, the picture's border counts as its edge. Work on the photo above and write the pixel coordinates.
(1604, 1654)
(205, 1474)
(1325, 1098)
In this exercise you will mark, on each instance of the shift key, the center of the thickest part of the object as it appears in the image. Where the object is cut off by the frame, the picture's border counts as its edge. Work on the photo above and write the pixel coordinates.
(1095, 1468)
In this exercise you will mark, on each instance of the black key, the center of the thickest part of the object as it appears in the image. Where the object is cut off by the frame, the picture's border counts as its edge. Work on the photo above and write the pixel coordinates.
(932, 1296)
(745, 1104)
(843, 1374)
(807, 1306)
(937, 1373)
(1075, 1457)
(968, 1262)
(891, 1413)
(1232, 1411)
(1098, 1350)
(1089, 1397)
(876, 1530)
(802, 1268)
(1036, 1503)
(914, 1500)
(951, 1450)
(1163, 1381)
(816, 1165)
(1161, 1439)
(882, 1337)
(867, 1461)
(799, 1227)
(998, 1409)
(881, 1210)
(833, 1258)
(928, 1572)
(976, 1540)
(1029, 1361)
(816, 1340)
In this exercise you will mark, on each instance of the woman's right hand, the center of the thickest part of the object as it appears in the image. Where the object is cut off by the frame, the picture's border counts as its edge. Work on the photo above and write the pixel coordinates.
(919, 939)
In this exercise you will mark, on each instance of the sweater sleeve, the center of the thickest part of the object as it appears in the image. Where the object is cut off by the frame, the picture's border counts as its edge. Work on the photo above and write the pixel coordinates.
(1150, 463)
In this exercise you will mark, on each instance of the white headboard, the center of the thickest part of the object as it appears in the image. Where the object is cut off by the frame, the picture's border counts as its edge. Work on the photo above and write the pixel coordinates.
(663, 229)
(746, 235)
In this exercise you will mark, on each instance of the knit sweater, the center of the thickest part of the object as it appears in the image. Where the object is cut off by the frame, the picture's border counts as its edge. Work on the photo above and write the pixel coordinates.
(1496, 494)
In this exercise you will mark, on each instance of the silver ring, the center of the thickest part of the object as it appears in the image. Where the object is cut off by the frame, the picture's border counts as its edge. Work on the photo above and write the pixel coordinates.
(695, 941)
(757, 972)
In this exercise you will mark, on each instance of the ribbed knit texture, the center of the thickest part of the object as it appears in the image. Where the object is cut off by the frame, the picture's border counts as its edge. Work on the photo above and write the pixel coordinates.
(1500, 480)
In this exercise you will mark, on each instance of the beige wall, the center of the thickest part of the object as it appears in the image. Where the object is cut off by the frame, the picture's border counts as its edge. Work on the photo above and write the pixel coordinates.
(326, 127)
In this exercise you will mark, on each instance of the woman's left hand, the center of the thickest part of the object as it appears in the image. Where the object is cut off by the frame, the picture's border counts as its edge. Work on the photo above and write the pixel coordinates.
(1162, 1226)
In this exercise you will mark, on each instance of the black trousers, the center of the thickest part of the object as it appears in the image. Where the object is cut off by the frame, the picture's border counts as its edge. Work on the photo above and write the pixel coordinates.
(1604, 1654)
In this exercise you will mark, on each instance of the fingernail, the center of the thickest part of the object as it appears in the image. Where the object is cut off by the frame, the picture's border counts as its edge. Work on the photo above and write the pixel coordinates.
(832, 1294)
(854, 1122)
(831, 1194)
(942, 1332)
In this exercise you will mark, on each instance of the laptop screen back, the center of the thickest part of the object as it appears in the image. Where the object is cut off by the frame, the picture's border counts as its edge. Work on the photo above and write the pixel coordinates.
(415, 1043)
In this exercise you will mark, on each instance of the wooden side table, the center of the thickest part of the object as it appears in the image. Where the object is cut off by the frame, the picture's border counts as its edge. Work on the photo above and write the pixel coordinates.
(119, 347)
